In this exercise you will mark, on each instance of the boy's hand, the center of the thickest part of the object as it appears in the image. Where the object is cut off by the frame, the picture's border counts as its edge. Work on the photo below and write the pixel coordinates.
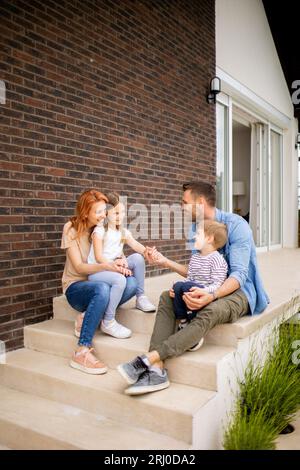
(172, 293)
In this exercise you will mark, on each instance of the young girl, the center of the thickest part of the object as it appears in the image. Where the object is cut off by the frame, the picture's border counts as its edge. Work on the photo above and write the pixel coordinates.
(107, 245)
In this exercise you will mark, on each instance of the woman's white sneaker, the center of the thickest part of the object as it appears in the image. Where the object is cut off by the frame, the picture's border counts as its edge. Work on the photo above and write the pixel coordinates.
(115, 329)
(144, 304)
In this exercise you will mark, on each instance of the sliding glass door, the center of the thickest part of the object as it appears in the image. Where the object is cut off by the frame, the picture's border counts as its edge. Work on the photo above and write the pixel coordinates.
(259, 195)
(275, 189)
(224, 163)
(265, 192)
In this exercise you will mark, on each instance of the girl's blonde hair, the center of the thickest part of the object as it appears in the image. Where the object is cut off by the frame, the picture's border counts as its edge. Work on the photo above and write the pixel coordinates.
(113, 200)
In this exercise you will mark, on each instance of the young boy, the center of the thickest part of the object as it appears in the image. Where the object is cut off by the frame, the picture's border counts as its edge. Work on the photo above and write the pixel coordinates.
(207, 269)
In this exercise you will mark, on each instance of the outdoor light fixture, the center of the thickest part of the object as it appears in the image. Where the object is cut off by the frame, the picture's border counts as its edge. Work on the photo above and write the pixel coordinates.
(214, 89)
(297, 141)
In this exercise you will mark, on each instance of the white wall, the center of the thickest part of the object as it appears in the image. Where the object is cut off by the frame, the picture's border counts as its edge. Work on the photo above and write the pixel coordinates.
(251, 73)
(245, 50)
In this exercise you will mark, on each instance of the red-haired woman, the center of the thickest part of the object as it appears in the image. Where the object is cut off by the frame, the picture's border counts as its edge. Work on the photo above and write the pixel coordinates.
(83, 295)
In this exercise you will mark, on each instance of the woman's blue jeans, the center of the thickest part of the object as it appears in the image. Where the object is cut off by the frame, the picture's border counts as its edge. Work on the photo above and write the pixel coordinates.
(92, 298)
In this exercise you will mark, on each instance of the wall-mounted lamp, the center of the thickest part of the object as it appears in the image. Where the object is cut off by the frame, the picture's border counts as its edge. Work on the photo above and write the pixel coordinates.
(214, 89)
(297, 145)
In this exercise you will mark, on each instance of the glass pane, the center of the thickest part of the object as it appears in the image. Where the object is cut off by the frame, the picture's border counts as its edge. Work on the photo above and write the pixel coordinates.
(259, 184)
(275, 175)
(264, 188)
(221, 181)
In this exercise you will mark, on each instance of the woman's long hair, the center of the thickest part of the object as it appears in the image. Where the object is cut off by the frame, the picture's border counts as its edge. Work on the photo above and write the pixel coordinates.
(84, 204)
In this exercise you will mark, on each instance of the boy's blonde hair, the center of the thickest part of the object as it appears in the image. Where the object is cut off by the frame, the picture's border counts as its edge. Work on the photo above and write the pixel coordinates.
(218, 231)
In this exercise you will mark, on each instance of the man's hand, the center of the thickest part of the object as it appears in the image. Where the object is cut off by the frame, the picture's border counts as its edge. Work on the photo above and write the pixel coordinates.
(148, 254)
(197, 298)
(154, 257)
(172, 293)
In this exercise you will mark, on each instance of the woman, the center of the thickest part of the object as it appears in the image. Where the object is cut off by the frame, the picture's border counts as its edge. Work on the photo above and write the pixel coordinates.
(83, 295)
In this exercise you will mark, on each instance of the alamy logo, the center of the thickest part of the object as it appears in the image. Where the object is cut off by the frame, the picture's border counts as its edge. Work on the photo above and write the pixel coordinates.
(296, 93)
(2, 92)
(2, 353)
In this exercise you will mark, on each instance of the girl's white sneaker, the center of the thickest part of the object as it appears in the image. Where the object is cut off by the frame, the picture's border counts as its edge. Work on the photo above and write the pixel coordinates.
(144, 304)
(115, 329)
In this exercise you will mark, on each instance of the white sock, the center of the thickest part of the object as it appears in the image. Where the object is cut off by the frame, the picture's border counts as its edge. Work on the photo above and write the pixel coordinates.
(157, 370)
(146, 361)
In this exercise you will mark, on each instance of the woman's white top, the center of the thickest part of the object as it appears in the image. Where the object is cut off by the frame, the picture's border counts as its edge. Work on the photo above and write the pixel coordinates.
(112, 244)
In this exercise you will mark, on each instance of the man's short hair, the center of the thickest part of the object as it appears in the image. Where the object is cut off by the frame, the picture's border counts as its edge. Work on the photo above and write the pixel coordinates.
(199, 188)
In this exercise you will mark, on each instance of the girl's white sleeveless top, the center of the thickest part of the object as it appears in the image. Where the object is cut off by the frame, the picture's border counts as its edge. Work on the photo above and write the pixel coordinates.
(112, 245)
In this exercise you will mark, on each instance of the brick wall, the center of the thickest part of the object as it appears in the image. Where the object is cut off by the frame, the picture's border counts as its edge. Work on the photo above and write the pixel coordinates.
(108, 94)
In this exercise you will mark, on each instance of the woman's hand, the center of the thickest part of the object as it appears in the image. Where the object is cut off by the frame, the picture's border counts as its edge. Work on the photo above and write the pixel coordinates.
(125, 271)
(197, 298)
(121, 262)
(117, 268)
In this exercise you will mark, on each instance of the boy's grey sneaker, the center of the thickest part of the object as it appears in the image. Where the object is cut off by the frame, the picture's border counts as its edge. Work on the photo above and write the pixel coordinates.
(149, 381)
(132, 370)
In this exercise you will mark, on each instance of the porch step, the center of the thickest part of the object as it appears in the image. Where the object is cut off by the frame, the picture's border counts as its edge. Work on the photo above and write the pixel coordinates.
(31, 423)
(2, 447)
(170, 412)
(141, 322)
(198, 369)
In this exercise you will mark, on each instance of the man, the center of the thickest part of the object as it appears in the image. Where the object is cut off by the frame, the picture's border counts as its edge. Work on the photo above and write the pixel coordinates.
(242, 293)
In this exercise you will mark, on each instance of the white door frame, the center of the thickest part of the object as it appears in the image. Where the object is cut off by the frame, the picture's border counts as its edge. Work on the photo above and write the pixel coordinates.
(228, 102)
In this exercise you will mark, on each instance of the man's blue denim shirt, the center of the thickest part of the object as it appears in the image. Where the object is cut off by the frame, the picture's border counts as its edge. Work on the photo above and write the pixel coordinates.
(240, 254)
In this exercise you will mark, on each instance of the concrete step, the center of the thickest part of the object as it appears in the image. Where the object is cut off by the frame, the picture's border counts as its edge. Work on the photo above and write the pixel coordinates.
(141, 322)
(198, 369)
(2, 447)
(171, 412)
(29, 422)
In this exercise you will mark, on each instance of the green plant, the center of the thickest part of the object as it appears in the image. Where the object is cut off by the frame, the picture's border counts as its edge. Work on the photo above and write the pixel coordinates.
(275, 385)
(269, 394)
(249, 432)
